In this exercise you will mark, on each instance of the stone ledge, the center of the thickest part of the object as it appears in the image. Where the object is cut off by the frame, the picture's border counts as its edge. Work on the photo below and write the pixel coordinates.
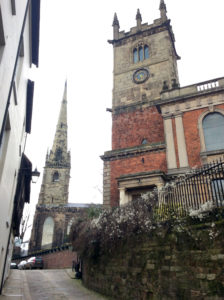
(132, 151)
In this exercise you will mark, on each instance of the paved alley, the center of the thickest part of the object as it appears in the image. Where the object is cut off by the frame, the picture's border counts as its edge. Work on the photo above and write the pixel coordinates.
(45, 284)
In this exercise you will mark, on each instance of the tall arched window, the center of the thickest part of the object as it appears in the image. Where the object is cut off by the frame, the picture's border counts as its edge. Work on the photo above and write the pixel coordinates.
(48, 231)
(71, 221)
(141, 54)
(55, 176)
(135, 55)
(146, 51)
(213, 128)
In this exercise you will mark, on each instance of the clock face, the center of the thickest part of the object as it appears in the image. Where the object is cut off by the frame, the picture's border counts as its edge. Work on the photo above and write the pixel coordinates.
(140, 76)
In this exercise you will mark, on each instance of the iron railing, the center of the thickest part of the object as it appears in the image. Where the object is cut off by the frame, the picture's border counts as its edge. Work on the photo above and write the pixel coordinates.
(191, 191)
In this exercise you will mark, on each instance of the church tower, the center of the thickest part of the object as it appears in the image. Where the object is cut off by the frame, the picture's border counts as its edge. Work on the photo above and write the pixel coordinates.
(145, 65)
(53, 214)
(54, 189)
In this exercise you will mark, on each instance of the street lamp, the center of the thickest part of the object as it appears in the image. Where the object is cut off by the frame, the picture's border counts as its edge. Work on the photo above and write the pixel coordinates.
(35, 175)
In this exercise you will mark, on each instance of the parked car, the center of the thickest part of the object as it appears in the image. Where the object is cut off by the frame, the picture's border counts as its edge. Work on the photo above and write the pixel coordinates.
(13, 265)
(22, 265)
(35, 263)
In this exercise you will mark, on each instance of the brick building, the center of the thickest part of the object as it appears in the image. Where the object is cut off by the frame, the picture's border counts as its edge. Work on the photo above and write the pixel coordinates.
(159, 129)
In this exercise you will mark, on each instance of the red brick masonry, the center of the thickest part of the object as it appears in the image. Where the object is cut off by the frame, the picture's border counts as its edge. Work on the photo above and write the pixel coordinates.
(55, 260)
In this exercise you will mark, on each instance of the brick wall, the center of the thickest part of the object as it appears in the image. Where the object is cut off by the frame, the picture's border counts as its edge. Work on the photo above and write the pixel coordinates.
(152, 161)
(130, 128)
(59, 260)
(190, 122)
(56, 259)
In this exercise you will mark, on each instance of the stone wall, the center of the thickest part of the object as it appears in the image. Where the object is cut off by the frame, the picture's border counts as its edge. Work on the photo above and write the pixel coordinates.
(61, 216)
(170, 264)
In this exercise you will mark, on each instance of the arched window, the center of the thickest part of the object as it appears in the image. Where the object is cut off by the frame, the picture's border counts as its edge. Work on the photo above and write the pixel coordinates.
(71, 221)
(135, 55)
(144, 141)
(146, 52)
(140, 53)
(213, 128)
(141, 56)
(58, 154)
(47, 234)
(55, 176)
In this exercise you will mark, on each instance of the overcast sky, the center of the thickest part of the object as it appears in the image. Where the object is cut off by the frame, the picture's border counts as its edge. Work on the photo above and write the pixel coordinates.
(73, 45)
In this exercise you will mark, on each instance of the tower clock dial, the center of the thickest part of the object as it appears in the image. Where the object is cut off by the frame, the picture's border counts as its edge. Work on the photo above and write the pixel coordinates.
(140, 76)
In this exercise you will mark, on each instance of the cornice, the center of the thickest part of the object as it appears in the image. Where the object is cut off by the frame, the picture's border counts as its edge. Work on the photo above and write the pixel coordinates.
(141, 175)
(132, 151)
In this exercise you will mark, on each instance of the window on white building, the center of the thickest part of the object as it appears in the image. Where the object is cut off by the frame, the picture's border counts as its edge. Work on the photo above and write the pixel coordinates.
(13, 4)
(4, 145)
(2, 35)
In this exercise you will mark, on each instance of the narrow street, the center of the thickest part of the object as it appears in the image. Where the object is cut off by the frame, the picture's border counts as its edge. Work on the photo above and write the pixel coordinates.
(45, 284)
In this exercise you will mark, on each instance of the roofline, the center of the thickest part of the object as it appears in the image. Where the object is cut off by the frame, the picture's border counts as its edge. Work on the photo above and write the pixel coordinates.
(152, 29)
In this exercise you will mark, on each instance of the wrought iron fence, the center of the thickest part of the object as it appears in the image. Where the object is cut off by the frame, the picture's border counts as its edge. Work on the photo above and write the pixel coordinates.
(191, 191)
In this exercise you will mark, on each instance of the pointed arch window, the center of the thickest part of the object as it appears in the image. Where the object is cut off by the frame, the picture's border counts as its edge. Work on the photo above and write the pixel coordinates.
(213, 128)
(141, 56)
(48, 232)
(55, 176)
(71, 221)
(146, 52)
(144, 142)
(140, 53)
(135, 55)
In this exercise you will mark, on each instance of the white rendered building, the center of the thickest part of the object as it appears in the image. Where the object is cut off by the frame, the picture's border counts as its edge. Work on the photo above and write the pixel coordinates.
(19, 48)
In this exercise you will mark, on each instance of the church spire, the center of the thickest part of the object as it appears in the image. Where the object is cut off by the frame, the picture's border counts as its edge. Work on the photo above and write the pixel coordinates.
(54, 188)
(139, 19)
(116, 26)
(163, 11)
(60, 138)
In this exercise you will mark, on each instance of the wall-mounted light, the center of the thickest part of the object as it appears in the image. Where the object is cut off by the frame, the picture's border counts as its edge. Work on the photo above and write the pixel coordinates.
(35, 175)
